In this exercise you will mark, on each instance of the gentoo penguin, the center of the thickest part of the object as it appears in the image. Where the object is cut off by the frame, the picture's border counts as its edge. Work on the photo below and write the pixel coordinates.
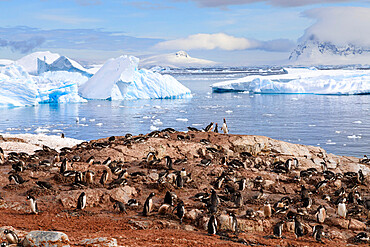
(63, 166)
(179, 181)
(298, 229)
(17, 179)
(209, 127)
(148, 205)
(180, 210)
(33, 204)
(321, 214)
(234, 222)
(183, 172)
(342, 210)
(90, 160)
(238, 199)
(224, 127)
(362, 237)
(62, 135)
(168, 162)
(242, 184)
(11, 236)
(360, 177)
(214, 200)
(267, 209)
(318, 233)
(2, 158)
(168, 199)
(120, 206)
(81, 202)
(212, 225)
(150, 157)
(44, 185)
(216, 128)
(307, 202)
(89, 176)
(104, 177)
(132, 203)
(278, 229)
(107, 161)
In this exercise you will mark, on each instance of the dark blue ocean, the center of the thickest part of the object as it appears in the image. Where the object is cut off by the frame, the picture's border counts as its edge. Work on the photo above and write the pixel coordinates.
(339, 124)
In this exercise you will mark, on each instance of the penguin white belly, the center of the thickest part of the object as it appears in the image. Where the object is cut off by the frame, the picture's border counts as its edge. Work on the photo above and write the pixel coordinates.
(150, 205)
(33, 206)
(83, 202)
(321, 216)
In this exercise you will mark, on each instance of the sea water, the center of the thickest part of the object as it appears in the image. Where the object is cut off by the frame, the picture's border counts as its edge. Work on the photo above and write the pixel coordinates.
(339, 124)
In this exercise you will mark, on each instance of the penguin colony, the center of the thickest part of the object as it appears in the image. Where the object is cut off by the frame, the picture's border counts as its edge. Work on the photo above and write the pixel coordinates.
(236, 187)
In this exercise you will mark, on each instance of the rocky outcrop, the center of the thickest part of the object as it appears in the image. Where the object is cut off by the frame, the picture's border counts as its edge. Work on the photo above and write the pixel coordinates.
(46, 239)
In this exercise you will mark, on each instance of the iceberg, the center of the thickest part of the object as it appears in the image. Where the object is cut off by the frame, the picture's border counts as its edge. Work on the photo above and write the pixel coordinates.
(120, 79)
(302, 81)
(29, 62)
(62, 64)
(18, 88)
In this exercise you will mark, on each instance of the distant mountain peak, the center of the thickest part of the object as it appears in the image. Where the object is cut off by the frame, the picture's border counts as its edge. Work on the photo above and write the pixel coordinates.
(182, 54)
(315, 51)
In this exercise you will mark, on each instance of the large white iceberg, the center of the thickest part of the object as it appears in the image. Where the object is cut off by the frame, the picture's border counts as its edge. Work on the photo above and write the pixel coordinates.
(302, 81)
(120, 79)
(18, 88)
(58, 79)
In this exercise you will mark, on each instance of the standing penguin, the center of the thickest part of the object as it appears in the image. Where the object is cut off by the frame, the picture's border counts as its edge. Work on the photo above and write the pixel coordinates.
(168, 162)
(216, 128)
(81, 202)
(11, 236)
(321, 214)
(234, 222)
(104, 177)
(168, 199)
(148, 204)
(213, 201)
(180, 210)
(63, 166)
(179, 181)
(318, 233)
(212, 225)
(89, 176)
(342, 210)
(224, 127)
(298, 229)
(278, 229)
(33, 204)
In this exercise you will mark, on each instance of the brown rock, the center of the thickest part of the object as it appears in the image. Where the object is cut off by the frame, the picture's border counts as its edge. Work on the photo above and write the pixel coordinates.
(99, 242)
(339, 222)
(356, 225)
(122, 194)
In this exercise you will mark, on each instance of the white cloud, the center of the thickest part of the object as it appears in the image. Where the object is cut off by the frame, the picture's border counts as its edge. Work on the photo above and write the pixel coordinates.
(282, 3)
(222, 41)
(66, 19)
(339, 25)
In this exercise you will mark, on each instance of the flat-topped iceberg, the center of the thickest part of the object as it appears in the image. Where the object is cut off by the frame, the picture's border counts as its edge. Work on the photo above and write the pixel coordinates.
(302, 81)
(120, 79)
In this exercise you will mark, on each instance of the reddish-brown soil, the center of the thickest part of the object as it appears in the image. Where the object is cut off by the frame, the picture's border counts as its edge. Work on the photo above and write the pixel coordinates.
(132, 229)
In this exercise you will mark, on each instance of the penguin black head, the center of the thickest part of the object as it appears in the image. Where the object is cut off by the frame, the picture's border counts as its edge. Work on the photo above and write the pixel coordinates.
(6, 231)
(152, 194)
(30, 197)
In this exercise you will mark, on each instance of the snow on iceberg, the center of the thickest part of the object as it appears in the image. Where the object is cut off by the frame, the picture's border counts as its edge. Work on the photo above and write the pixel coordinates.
(302, 81)
(62, 64)
(29, 62)
(120, 79)
(18, 88)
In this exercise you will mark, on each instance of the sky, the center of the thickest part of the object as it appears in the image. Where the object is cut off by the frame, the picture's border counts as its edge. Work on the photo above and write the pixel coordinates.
(231, 32)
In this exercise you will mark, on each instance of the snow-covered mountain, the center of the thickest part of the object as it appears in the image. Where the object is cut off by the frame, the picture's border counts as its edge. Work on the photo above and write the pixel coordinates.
(315, 52)
(175, 60)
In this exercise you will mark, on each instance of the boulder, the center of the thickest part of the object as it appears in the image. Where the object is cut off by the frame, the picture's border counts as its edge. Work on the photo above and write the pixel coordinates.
(339, 222)
(356, 225)
(46, 239)
(99, 242)
(193, 215)
(122, 194)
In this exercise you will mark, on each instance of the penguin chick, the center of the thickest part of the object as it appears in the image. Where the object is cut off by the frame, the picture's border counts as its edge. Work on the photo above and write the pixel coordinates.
(33, 204)
(298, 229)
(120, 206)
(180, 210)
(318, 233)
